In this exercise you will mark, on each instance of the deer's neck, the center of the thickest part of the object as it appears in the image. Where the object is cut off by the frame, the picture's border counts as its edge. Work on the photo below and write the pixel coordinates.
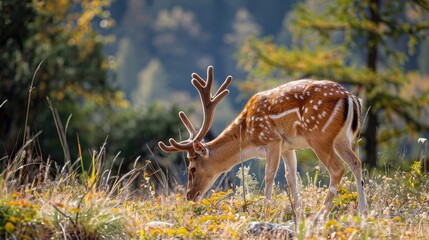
(231, 147)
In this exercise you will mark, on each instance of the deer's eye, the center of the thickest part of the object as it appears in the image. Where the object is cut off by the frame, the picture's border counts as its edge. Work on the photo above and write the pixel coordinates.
(192, 170)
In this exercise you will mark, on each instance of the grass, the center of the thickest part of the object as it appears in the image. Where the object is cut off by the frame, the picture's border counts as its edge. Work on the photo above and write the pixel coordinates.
(98, 205)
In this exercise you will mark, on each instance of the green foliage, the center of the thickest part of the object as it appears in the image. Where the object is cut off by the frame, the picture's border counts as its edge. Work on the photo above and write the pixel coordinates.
(136, 131)
(84, 106)
(74, 68)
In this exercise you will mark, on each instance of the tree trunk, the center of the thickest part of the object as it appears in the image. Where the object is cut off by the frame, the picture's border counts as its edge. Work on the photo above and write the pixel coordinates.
(371, 143)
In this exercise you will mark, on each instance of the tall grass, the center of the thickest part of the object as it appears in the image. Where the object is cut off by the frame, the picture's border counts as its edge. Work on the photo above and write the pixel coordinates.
(70, 204)
(99, 204)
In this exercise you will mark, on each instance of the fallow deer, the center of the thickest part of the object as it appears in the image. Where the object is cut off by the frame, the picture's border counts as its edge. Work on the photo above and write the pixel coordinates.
(321, 115)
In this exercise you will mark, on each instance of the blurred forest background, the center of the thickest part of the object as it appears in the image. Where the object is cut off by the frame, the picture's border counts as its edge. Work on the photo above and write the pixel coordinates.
(118, 72)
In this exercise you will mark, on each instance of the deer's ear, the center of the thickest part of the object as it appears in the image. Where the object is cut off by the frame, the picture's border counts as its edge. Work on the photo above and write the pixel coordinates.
(200, 148)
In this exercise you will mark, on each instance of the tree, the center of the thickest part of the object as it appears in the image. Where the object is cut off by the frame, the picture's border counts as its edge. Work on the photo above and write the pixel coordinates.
(62, 34)
(360, 43)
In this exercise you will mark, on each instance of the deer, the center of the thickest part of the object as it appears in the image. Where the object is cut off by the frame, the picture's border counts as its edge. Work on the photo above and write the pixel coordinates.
(317, 114)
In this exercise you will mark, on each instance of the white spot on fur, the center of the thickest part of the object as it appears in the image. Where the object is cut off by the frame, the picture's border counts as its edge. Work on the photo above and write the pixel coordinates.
(296, 123)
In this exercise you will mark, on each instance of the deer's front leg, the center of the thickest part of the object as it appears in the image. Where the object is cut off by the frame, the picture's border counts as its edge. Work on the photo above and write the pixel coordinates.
(290, 162)
(273, 159)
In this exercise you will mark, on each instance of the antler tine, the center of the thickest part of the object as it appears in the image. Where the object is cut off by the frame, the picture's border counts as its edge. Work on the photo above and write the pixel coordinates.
(176, 146)
(224, 85)
(166, 148)
(208, 101)
(222, 92)
(185, 145)
(182, 146)
(188, 125)
(203, 84)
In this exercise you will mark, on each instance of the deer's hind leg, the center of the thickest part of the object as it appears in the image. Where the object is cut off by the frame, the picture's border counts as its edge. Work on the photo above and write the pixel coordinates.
(344, 150)
(326, 154)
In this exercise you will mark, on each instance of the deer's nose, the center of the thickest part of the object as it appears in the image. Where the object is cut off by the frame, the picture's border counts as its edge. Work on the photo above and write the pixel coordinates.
(192, 197)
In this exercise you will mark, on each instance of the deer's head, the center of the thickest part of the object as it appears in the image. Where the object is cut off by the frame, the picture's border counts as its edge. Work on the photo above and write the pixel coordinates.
(200, 176)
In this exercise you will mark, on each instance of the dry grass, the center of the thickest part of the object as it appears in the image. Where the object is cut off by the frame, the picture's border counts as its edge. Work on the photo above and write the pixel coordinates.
(93, 206)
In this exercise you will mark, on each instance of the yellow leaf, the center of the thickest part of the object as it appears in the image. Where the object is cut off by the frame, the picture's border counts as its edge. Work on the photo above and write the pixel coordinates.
(9, 227)
(60, 205)
(13, 203)
(182, 232)
(330, 223)
(397, 218)
(74, 210)
(205, 202)
(213, 227)
(170, 232)
(224, 216)
(23, 203)
(115, 210)
(155, 231)
(226, 208)
(232, 233)
(13, 219)
(349, 230)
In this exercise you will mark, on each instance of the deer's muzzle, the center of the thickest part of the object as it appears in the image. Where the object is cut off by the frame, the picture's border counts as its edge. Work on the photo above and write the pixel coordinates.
(190, 196)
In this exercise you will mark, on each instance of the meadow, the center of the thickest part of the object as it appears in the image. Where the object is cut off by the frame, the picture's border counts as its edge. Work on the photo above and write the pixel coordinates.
(98, 204)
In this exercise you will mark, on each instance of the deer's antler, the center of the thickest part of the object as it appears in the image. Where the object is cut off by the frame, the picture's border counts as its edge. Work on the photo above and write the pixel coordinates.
(208, 103)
